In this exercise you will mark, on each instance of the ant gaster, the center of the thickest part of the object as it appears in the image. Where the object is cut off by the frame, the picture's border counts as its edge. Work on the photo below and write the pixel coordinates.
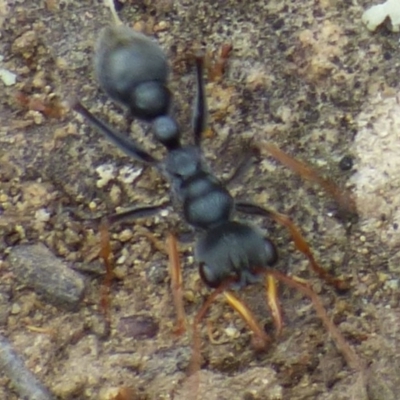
(133, 71)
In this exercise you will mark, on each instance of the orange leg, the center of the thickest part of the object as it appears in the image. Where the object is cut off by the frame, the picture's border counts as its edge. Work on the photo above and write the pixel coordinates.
(343, 198)
(348, 353)
(174, 267)
(195, 362)
(176, 283)
(303, 246)
(260, 338)
(297, 238)
(273, 303)
(105, 254)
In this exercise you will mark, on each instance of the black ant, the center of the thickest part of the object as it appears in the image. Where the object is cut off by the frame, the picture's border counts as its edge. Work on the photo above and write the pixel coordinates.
(133, 70)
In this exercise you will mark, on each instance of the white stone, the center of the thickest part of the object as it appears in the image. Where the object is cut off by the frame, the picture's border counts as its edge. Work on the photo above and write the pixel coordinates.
(375, 15)
(8, 77)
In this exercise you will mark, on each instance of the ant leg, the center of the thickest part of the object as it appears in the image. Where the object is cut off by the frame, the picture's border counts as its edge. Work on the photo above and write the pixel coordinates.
(127, 145)
(215, 73)
(299, 241)
(273, 303)
(134, 213)
(195, 362)
(105, 254)
(342, 197)
(200, 106)
(176, 283)
(174, 263)
(260, 338)
(129, 214)
(175, 271)
(348, 353)
(105, 249)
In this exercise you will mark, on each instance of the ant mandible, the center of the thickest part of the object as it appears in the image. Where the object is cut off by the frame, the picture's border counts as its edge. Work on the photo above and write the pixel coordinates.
(133, 70)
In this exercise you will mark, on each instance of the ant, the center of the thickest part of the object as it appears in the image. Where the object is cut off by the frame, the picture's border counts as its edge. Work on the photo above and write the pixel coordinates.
(133, 70)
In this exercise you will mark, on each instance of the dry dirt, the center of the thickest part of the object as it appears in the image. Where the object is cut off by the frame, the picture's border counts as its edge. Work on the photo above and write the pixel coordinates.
(304, 75)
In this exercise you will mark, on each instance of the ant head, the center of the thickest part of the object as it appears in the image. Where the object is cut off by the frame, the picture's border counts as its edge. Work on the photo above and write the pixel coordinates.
(233, 251)
(133, 70)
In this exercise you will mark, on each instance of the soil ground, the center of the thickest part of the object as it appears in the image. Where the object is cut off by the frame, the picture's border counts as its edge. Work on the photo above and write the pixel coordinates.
(304, 75)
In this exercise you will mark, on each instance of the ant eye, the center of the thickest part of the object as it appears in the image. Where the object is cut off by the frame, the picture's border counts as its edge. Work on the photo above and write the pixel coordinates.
(208, 276)
(271, 252)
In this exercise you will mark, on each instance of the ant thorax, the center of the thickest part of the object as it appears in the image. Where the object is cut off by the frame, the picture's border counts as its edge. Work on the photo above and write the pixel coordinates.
(206, 202)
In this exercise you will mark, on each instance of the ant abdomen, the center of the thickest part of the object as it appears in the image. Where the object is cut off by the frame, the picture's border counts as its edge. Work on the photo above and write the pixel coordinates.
(133, 71)
(235, 251)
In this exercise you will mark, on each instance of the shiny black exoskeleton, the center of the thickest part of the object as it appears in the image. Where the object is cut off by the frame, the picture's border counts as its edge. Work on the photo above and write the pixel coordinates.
(133, 70)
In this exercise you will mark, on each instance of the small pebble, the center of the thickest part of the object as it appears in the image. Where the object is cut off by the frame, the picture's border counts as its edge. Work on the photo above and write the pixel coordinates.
(232, 332)
(36, 267)
(161, 26)
(24, 382)
(346, 163)
(7, 77)
(157, 273)
(125, 235)
(128, 175)
(138, 327)
(106, 173)
(15, 309)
